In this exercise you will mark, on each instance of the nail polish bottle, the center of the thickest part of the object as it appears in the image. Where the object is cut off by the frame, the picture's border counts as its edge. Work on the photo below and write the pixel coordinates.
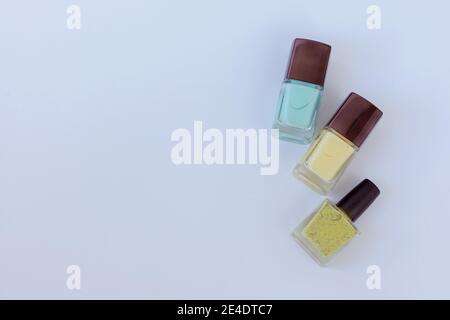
(330, 228)
(334, 148)
(301, 90)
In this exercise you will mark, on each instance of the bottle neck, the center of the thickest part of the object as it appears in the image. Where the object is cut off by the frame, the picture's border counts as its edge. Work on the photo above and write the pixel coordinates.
(355, 147)
(303, 83)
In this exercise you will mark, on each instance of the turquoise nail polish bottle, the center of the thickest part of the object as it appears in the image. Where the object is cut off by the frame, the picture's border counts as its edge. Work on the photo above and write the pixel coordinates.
(301, 91)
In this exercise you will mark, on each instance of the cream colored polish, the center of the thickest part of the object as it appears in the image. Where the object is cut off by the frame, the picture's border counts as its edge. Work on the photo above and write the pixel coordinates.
(325, 161)
(334, 148)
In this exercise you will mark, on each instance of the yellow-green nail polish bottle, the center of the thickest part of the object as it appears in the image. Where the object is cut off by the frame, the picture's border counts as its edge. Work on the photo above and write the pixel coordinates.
(331, 227)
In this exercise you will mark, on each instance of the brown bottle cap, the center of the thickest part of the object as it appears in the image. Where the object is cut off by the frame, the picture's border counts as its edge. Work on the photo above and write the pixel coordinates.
(308, 61)
(355, 118)
(359, 199)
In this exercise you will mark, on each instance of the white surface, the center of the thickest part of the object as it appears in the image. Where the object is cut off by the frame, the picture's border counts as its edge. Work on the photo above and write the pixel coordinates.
(85, 170)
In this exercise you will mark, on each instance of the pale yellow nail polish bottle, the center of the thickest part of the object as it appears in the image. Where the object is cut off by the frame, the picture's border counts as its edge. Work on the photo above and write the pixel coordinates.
(334, 148)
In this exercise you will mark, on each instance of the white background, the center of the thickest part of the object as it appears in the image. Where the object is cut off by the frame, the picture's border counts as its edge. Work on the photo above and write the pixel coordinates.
(85, 170)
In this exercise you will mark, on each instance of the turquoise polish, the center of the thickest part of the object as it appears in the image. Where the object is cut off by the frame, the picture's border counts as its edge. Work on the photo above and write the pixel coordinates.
(301, 91)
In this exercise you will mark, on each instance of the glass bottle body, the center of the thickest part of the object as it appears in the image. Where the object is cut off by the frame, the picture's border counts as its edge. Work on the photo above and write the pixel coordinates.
(297, 110)
(325, 161)
(324, 233)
